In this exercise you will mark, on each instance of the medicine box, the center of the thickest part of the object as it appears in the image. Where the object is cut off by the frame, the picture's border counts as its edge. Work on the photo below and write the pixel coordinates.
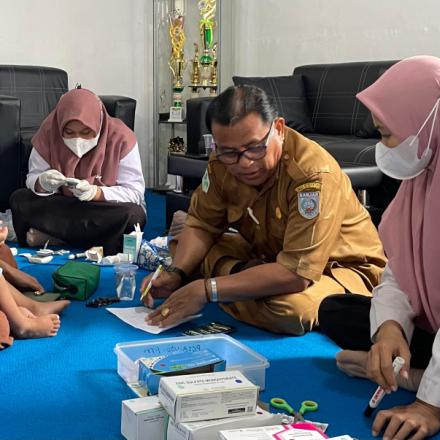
(130, 247)
(237, 355)
(143, 418)
(208, 429)
(303, 431)
(151, 370)
(208, 396)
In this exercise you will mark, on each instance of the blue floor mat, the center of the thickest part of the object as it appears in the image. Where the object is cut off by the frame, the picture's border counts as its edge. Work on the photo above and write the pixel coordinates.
(67, 387)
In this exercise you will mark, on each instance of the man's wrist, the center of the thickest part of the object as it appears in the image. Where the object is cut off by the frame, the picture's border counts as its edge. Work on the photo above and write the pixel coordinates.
(184, 277)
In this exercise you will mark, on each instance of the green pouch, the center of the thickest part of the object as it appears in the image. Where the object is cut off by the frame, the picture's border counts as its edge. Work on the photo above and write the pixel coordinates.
(76, 280)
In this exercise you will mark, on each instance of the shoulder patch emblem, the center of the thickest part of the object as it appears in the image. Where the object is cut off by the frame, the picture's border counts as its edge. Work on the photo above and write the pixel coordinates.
(205, 182)
(308, 204)
(309, 186)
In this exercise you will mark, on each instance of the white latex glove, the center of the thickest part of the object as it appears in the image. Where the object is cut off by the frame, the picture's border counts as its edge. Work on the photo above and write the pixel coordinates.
(51, 180)
(84, 191)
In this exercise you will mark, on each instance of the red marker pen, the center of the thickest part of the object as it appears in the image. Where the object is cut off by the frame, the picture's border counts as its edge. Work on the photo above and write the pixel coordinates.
(398, 363)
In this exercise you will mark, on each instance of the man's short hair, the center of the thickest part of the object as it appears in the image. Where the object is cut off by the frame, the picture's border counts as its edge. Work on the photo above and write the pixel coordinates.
(236, 102)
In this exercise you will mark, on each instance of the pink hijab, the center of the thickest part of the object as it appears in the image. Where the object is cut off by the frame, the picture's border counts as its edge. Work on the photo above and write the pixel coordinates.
(100, 165)
(401, 99)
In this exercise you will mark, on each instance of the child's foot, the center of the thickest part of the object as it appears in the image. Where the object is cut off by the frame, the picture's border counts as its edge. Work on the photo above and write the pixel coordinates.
(7, 343)
(42, 309)
(354, 363)
(38, 327)
(26, 312)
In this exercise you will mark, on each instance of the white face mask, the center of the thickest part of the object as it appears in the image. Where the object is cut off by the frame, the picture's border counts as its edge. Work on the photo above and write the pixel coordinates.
(402, 162)
(80, 146)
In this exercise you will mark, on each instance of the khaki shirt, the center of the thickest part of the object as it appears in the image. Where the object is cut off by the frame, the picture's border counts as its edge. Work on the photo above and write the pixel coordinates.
(306, 216)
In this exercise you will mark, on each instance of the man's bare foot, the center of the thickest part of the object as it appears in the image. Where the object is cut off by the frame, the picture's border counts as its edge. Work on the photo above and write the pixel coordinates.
(38, 327)
(35, 238)
(42, 309)
(26, 312)
(354, 363)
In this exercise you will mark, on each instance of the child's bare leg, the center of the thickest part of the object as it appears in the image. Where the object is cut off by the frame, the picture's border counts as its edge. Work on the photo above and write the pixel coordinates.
(5, 330)
(22, 326)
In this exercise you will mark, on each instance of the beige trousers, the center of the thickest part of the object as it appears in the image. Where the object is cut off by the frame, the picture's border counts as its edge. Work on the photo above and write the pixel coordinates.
(291, 313)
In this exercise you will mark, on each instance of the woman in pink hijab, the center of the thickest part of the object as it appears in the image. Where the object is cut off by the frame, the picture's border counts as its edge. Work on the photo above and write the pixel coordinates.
(85, 181)
(405, 309)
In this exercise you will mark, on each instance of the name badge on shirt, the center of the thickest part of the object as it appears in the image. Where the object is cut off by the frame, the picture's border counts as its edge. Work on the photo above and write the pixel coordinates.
(205, 182)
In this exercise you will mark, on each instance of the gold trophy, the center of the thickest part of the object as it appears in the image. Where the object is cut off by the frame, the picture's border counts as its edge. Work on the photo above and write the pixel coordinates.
(207, 68)
(213, 80)
(177, 63)
(195, 74)
(207, 13)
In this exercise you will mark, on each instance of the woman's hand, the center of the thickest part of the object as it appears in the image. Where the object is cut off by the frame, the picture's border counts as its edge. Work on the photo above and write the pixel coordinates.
(184, 302)
(417, 420)
(50, 181)
(85, 192)
(390, 342)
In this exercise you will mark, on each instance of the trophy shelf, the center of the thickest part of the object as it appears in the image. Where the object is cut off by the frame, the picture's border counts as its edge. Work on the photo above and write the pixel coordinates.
(164, 119)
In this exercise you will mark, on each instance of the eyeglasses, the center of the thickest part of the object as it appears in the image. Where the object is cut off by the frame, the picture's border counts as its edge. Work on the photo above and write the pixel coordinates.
(255, 152)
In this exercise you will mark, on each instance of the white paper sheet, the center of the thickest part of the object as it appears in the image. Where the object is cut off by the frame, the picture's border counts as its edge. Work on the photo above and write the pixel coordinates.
(135, 316)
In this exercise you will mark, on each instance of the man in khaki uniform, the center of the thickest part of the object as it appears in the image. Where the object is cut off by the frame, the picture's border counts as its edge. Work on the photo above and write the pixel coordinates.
(302, 233)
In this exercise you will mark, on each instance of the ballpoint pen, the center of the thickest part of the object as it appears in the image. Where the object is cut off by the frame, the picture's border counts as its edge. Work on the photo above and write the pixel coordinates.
(150, 283)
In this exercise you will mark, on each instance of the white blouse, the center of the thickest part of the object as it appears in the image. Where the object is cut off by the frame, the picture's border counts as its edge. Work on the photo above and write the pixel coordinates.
(130, 183)
(391, 303)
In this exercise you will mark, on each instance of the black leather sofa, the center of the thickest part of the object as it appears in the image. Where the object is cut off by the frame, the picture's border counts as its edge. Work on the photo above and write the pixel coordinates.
(27, 95)
(340, 123)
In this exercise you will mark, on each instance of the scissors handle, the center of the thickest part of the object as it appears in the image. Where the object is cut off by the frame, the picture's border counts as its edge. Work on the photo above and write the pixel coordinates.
(308, 406)
(278, 403)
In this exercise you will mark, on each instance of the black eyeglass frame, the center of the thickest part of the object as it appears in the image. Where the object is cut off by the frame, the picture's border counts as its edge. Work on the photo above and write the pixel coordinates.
(262, 146)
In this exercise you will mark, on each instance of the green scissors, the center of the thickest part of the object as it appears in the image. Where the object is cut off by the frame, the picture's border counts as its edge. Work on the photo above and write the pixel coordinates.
(306, 406)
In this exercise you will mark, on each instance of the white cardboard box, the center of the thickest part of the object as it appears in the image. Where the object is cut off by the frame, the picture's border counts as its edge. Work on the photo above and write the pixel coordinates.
(208, 396)
(143, 418)
(208, 430)
(279, 432)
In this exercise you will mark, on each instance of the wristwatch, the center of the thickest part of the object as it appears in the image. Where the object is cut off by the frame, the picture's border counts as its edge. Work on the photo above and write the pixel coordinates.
(184, 277)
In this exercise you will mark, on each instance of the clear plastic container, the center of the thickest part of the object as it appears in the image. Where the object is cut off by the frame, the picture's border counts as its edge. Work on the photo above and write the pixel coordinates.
(237, 355)
(125, 278)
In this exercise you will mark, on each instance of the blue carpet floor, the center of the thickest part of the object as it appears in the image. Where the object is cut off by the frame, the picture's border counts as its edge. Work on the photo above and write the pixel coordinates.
(67, 387)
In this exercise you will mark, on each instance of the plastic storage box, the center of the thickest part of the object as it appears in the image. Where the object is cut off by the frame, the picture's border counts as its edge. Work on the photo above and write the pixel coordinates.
(237, 355)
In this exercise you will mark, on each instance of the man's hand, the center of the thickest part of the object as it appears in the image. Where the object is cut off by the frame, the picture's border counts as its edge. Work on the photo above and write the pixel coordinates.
(23, 281)
(51, 180)
(162, 287)
(417, 420)
(84, 191)
(390, 342)
(184, 302)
